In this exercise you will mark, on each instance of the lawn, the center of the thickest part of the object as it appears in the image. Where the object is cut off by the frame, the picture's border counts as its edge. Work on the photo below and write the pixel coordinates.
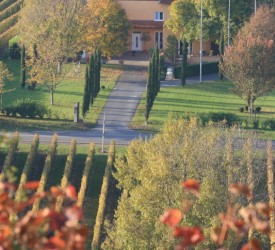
(202, 98)
(66, 94)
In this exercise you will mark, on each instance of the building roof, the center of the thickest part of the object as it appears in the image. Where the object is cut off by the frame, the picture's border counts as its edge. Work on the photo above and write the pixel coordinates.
(147, 24)
(165, 1)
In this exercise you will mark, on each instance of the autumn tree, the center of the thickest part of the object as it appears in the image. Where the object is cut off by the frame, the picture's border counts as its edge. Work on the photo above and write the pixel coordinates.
(57, 30)
(249, 61)
(4, 76)
(108, 27)
(151, 171)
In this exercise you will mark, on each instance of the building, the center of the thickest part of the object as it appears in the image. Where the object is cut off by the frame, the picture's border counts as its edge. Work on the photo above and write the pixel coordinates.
(147, 18)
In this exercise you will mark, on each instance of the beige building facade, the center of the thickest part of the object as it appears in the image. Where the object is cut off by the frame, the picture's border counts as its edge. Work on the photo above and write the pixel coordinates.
(147, 18)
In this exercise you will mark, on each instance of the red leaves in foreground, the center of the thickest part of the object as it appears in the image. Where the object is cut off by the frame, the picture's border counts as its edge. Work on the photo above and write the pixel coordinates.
(171, 217)
(256, 216)
(44, 229)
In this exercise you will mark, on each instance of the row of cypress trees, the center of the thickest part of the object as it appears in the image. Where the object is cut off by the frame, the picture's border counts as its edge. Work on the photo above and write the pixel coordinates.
(92, 81)
(153, 82)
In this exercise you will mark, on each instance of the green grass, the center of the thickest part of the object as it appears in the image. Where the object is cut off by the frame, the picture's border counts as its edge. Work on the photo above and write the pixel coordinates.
(66, 94)
(202, 98)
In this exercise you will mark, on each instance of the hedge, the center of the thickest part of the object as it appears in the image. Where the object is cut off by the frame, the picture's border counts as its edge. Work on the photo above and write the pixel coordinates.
(10, 156)
(194, 69)
(86, 173)
(9, 22)
(6, 3)
(103, 196)
(28, 167)
(12, 9)
(67, 172)
(46, 170)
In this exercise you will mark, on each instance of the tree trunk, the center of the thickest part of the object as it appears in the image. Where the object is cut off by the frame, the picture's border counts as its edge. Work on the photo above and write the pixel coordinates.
(52, 96)
(248, 151)
(221, 52)
(271, 193)
(184, 62)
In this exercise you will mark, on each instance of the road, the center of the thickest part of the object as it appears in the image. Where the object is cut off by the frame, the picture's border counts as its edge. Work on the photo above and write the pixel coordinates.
(118, 113)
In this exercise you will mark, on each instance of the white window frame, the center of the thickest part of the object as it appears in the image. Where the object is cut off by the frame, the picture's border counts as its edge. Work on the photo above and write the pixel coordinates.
(157, 16)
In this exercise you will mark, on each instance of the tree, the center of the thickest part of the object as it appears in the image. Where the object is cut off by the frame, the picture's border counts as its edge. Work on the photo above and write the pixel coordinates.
(57, 29)
(184, 62)
(4, 76)
(149, 92)
(23, 67)
(86, 94)
(221, 53)
(171, 50)
(92, 79)
(249, 61)
(149, 176)
(108, 27)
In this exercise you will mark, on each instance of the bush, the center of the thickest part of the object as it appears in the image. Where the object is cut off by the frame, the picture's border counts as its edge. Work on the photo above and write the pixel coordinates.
(256, 124)
(194, 69)
(258, 109)
(14, 49)
(241, 109)
(271, 123)
(246, 108)
(229, 118)
(26, 108)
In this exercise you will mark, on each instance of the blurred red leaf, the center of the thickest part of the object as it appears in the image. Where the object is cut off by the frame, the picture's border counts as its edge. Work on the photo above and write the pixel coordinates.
(58, 242)
(56, 191)
(192, 186)
(263, 209)
(261, 225)
(71, 192)
(4, 197)
(252, 244)
(191, 236)
(31, 185)
(239, 188)
(171, 217)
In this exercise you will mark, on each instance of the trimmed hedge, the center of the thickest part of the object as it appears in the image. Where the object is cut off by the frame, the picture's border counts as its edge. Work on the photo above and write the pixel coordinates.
(9, 22)
(28, 167)
(103, 196)
(10, 156)
(194, 69)
(6, 3)
(12, 9)
(26, 108)
(46, 170)
(86, 173)
(67, 172)
(229, 118)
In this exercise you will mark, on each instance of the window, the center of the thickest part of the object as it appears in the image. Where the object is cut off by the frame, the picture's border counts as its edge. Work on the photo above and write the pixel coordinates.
(158, 16)
(159, 39)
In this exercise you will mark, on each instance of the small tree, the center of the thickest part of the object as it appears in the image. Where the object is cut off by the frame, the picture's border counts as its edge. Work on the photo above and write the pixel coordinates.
(171, 50)
(249, 61)
(23, 67)
(4, 76)
(149, 92)
(92, 79)
(86, 94)
(184, 63)
(221, 53)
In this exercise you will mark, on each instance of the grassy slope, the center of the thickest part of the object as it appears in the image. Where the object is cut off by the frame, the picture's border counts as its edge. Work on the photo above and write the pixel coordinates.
(201, 98)
(67, 93)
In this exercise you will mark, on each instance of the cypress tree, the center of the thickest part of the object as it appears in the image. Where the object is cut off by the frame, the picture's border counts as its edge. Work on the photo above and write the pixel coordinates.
(221, 50)
(23, 67)
(95, 73)
(91, 80)
(98, 69)
(86, 94)
(153, 75)
(149, 92)
(158, 70)
(184, 63)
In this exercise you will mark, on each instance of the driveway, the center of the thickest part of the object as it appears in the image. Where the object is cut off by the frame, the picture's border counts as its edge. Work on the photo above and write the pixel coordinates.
(117, 113)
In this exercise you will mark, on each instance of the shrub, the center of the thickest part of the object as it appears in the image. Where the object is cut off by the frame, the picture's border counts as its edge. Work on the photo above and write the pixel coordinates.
(26, 108)
(229, 118)
(241, 109)
(271, 123)
(194, 69)
(256, 124)
(258, 109)
(246, 108)
(14, 49)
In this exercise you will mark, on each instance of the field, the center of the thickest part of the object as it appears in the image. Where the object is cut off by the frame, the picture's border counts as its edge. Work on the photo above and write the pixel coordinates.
(95, 177)
(203, 98)
(66, 94)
